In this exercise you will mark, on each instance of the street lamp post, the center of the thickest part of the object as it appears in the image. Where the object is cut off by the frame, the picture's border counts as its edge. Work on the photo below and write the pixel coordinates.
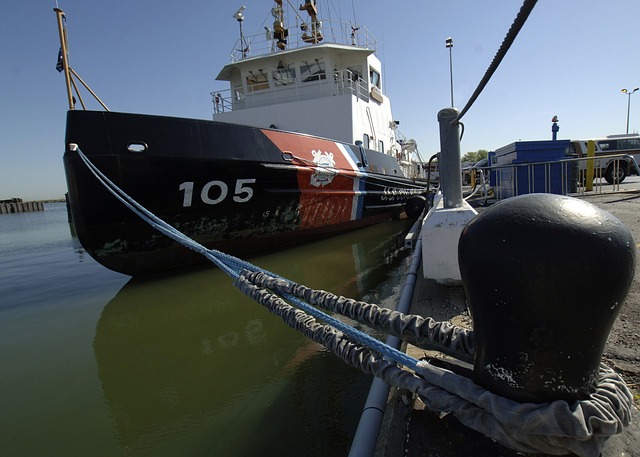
(625, 91)
(449, 44)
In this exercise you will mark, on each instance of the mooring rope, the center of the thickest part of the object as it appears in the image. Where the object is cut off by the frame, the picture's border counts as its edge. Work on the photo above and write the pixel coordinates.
(234, 266)
(557, 428)
(422, 332)
(517, 25)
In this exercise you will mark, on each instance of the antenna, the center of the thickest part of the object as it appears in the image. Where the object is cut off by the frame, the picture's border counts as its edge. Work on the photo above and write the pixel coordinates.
(280, 33)
(238, 16)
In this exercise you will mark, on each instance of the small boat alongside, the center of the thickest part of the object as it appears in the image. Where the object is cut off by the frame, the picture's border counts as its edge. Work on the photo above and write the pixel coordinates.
(302, 145)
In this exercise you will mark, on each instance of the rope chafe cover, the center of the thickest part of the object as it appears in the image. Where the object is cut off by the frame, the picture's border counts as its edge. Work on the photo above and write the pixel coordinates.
(554, 428)
(422, 332)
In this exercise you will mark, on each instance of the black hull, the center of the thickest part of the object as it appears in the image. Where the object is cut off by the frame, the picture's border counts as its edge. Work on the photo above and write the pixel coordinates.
(238, 189)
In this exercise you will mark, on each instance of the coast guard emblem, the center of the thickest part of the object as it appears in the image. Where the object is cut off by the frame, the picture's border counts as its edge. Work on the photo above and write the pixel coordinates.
(324, 173)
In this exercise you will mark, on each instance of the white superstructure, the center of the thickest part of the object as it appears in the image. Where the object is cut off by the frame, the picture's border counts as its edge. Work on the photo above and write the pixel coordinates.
(321, 79)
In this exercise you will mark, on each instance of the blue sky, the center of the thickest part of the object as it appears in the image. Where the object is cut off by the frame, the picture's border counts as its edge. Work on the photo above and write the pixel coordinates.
(571, 59)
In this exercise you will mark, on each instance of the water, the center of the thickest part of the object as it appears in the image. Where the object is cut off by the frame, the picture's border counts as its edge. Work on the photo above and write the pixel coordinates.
(96, 363)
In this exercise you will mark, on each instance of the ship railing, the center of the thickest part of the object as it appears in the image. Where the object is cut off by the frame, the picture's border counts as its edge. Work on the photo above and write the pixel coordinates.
(342, 82)
(332, 32)
(563, 177)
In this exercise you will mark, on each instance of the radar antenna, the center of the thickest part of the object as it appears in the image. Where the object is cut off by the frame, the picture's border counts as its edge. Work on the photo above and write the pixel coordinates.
(238, 16)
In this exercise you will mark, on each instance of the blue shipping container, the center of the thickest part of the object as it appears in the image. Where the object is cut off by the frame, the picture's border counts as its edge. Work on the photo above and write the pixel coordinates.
(526, 167)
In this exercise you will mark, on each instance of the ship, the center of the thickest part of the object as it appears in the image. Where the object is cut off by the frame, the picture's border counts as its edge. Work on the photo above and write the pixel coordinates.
(302, 145)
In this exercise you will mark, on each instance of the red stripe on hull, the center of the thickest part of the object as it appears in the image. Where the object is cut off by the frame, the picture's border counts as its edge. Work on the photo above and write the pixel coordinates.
(326, 197)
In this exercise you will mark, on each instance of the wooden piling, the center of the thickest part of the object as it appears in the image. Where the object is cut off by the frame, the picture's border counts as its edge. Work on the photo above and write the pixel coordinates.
(16, 205)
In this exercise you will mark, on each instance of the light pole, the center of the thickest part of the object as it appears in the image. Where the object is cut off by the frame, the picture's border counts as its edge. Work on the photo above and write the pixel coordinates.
(449, 44)
(625, 91)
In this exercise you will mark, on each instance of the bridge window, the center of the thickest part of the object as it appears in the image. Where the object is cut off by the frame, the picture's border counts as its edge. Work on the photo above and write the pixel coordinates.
(374, 78)
(312, 71)
(365, 141)
(285, 76)
(257, 81)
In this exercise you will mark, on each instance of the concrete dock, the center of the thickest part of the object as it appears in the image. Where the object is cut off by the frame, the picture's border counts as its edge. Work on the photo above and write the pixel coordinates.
(410, 429)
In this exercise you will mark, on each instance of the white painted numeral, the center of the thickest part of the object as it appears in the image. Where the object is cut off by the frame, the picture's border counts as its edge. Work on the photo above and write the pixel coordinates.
(207, 187)
(188, 193)
(242, 192)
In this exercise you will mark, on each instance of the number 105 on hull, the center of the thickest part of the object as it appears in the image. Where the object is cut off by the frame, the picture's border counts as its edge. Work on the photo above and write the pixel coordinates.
(214, 192)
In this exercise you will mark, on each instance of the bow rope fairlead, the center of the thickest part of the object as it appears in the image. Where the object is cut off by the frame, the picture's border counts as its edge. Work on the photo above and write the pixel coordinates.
(557, 427)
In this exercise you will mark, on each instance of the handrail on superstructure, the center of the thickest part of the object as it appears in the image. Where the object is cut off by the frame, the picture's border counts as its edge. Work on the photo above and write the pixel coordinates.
(262, 44)
(339, 82)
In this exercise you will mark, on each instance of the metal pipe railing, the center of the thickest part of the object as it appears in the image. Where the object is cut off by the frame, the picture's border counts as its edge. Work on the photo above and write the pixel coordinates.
(333, 32)
(271, 93)
(572, 172)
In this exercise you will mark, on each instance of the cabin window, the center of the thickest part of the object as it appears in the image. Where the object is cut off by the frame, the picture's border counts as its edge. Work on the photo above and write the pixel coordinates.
(607, 145)
(619, 145)
(285, 76)
(312, 71)
(629, 143)
(380, 146)
(257, 81)
(374, 78)
(365, 141)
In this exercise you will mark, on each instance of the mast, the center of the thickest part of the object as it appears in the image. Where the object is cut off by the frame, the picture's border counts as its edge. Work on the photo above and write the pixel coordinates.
(65, 56)
(280, 32)
(63, 60)
(240, 18)
(311, 9)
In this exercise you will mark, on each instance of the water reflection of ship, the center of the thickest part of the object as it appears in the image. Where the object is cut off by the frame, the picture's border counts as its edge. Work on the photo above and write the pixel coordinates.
(187, 361)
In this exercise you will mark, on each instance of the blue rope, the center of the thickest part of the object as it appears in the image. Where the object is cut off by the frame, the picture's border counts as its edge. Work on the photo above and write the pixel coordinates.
(355, 334)
(233, 266)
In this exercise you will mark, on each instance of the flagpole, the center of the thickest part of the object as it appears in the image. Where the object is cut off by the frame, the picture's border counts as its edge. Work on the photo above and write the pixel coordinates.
(65, 55)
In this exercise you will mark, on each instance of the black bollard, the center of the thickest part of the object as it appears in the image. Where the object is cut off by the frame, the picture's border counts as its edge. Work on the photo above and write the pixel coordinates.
(545, 277)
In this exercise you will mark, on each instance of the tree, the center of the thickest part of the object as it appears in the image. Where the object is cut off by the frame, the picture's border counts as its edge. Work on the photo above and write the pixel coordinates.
(475, 156)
